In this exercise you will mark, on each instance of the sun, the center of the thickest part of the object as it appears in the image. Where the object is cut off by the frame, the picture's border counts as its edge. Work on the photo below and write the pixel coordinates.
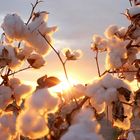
(64, 85)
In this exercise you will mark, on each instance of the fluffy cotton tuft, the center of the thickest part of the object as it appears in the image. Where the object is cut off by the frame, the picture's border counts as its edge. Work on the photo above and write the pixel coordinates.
(7, 126)
(36, 60)
(21, 92)
(99, 43)
(9, 57)
(31, 124)
(83, 128)
(111, 31)
(72, 54)
(42, 100)
(14, 27)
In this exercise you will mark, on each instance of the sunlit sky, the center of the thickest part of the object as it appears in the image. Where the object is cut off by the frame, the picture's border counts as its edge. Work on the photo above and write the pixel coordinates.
(77, 20)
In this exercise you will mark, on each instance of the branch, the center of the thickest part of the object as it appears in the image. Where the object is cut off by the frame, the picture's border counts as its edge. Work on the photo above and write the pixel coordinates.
(33, 9)
(58, 54)
(19, 70)
(97, 63)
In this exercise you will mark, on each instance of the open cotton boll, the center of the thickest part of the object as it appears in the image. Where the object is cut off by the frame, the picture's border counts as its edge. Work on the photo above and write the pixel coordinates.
(9, 56)
(93, 87)
(30, 124)
(97, 39)
(36, 60)
(99, 43)
(113, 61)
(8, 121)
(21, 92)
(14, 27)
(107, 80)
(25, 52)
(81, 132)
(39, 22)
(36, 41)
(5, 96)
(111, 31)
(77, 91)
(42, 100)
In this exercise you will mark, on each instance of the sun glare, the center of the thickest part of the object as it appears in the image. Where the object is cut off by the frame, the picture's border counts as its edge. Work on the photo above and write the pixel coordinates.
(64, 85)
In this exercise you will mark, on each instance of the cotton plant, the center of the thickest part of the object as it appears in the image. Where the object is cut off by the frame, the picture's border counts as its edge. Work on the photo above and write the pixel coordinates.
(77, 112)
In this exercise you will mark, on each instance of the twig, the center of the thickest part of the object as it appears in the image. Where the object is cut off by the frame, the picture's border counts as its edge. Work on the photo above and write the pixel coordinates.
(31, 15)
(130, 1)
(97, 63)
(58, 54)
(19, 70)
(33, 8)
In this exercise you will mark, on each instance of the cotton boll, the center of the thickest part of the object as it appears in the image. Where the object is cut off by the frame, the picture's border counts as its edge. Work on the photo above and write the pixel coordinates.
(36, 60)
(84, 130)
(7, 126)
(39, 22)
(13, 82)
(93, 87)
(36, 41)
(77, 91)
(25, 52)
(97, 39)
(99, 43)
(10, 56)
(13, 26)
(42, 100)
(111, 31)
(112, 61)
(5, 96)
(8, 121)
(21, 92)
(37, 123)
(107, 81)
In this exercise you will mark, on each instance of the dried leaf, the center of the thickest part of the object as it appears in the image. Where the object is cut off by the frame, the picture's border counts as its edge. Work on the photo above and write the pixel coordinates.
(5, 53)
(41, 81)
(118, 111)
(52, 81)
(47, 81)
(31, 61)
(125, 92)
